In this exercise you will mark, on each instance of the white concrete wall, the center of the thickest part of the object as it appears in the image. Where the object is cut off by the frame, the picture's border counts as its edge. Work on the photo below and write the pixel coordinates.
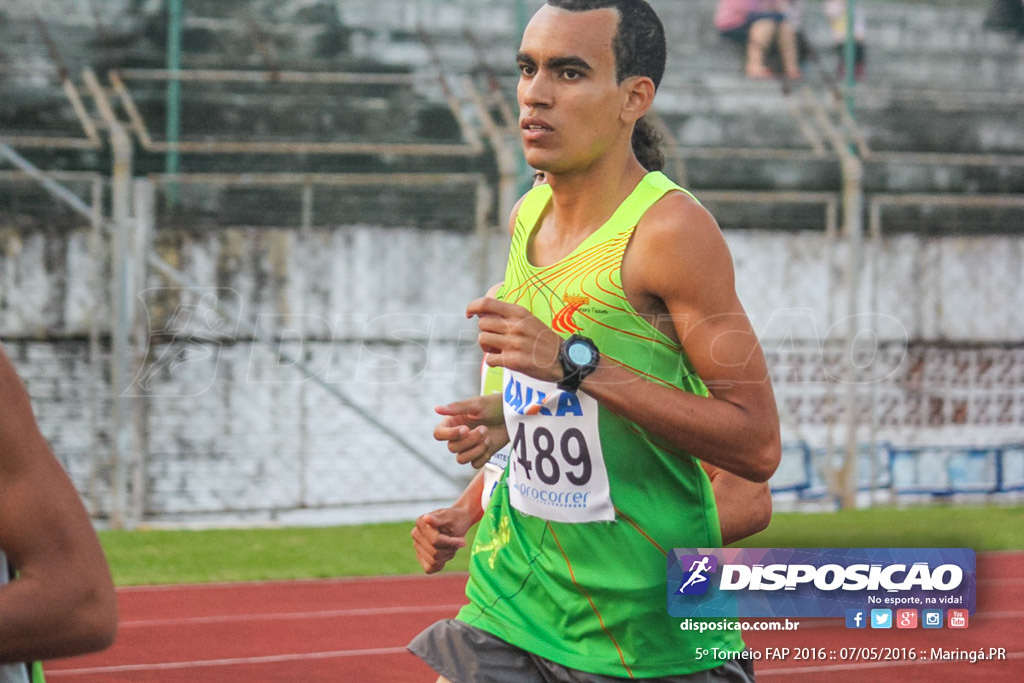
(233, 427)
(345, 282)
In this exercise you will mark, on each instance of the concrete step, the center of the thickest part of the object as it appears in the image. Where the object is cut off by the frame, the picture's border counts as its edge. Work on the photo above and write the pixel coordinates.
(705, 99)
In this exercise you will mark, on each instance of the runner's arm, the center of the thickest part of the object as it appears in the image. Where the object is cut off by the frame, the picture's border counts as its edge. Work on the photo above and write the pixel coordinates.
(744, 507)
(63, 602)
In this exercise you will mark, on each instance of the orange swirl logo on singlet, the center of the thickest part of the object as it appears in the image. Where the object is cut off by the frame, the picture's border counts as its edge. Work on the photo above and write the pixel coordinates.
(562, 322)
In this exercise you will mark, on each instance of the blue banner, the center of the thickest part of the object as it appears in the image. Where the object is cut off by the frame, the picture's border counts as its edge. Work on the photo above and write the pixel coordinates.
(817, 582)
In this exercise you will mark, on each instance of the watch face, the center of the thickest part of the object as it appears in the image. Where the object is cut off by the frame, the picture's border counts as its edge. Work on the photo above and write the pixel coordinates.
(580, 353)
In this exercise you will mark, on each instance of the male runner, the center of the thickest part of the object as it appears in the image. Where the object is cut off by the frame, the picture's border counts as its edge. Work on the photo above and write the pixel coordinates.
(627, 359)
(744, 507)
(62, 602)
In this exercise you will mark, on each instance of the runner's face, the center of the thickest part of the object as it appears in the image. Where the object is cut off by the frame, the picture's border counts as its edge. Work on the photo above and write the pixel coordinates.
(569, 101)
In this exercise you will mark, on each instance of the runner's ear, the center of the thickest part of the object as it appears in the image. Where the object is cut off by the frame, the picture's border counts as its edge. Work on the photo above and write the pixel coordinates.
(639, 96)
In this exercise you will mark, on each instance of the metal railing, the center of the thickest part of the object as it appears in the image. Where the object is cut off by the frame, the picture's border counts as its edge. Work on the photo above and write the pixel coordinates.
(118, 79)
(829, 133)
(878, 202)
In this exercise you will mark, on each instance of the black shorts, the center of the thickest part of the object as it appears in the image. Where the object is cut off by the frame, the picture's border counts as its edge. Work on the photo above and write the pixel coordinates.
(465, 654)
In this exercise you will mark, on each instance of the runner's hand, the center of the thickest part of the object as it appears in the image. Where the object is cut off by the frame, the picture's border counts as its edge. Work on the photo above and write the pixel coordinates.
(438, 535)
(474, 428)
(514, 338)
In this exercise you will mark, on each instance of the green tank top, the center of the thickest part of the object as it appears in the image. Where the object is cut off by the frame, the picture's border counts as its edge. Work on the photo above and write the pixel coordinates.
(592, 595)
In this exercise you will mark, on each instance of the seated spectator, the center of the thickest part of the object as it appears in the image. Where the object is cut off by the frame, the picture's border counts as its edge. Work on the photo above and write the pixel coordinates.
(836, 12)
(759, 24)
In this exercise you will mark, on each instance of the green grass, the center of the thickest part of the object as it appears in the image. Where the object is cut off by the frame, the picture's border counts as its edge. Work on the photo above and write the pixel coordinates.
(189, 556)
(160, 557)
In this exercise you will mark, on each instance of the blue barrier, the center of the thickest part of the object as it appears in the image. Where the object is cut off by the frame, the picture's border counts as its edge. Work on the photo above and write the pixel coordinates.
(937, 471)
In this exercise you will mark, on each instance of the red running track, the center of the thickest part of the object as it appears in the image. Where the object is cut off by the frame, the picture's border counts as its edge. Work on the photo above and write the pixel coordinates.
(356, 630)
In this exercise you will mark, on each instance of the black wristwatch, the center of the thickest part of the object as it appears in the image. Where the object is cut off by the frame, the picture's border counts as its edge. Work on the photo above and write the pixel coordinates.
(578, 356)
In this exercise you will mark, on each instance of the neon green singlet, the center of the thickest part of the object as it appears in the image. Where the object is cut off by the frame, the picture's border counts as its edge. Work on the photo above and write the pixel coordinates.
(591, 596)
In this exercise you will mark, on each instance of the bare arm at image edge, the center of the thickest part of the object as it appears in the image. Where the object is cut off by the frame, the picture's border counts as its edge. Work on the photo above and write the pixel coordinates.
(62, 602)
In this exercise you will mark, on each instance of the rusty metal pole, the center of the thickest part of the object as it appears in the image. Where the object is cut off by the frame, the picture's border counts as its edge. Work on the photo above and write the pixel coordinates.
(121, 315)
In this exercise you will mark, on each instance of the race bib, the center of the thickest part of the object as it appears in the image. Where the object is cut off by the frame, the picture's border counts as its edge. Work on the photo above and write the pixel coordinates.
(493, 469)
(556, 467)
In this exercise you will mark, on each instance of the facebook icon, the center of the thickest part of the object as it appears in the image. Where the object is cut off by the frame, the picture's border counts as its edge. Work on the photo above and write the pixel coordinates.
(856, 618)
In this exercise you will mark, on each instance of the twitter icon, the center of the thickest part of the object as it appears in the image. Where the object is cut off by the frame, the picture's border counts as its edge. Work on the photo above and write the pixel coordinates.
(881, 618)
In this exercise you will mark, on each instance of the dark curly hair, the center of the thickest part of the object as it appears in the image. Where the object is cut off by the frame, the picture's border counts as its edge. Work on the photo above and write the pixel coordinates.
(640, 41)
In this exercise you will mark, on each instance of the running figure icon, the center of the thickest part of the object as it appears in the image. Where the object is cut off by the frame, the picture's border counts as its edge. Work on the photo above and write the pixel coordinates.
(697, 571)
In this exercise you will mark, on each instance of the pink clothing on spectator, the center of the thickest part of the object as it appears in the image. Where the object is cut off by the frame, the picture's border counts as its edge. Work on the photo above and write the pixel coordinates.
(732, 14)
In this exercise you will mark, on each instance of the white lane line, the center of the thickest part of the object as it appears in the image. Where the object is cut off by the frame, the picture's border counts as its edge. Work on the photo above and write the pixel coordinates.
(205, 663)
(271, 583)
(275, 616)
